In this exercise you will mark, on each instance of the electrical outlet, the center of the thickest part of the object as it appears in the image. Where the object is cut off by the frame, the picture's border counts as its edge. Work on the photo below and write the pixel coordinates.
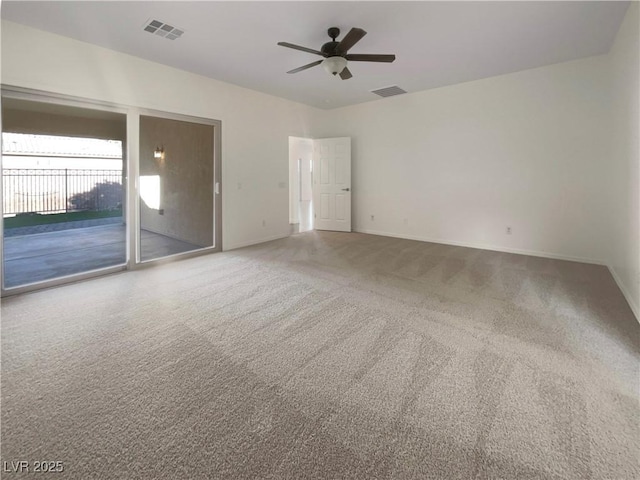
(373, 218)
(264, 223)
(508, 231)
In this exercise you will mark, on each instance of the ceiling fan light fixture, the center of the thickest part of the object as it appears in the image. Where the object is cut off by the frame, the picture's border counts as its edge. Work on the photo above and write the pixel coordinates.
(334, 65)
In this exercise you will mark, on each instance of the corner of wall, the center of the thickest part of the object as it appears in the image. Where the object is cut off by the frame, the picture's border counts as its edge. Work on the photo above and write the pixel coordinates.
(624, 161)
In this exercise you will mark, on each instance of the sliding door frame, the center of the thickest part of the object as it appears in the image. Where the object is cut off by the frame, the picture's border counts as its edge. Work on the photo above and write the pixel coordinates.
(217, 187)
(39, 96)
(132, 197)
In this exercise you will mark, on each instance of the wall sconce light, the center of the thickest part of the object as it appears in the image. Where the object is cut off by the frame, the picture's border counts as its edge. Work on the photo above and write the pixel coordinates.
(158, 153)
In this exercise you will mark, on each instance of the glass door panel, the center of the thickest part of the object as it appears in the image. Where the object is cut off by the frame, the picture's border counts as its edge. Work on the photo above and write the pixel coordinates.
(63, 191)
(176, 187)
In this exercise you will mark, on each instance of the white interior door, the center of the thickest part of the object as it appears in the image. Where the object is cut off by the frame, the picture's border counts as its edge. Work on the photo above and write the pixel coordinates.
(332, 184)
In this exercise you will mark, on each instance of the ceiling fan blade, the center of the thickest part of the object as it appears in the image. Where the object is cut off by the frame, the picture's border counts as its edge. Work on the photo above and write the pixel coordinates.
(345, 74)
(304, 67)
(350, 39)
(370, 57)
(303, 49)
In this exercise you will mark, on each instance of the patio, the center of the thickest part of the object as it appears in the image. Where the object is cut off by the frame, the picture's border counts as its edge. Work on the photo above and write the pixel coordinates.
(34, 257)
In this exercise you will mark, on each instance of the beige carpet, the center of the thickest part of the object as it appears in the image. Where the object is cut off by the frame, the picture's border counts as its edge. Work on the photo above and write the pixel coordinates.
(327, 355)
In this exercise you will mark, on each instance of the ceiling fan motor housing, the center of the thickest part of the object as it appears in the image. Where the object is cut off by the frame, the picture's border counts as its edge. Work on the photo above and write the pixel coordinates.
(329, 49)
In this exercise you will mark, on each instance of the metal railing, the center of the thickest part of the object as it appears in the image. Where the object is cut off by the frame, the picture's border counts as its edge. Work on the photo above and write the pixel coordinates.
(60, 190)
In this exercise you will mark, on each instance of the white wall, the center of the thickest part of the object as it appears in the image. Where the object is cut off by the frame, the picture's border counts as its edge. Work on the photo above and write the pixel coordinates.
(255, 126)
(624, 160)
(459, 164)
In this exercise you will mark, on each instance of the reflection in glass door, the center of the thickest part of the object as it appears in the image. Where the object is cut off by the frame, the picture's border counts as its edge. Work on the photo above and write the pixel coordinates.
(177, 198)
(63, 191)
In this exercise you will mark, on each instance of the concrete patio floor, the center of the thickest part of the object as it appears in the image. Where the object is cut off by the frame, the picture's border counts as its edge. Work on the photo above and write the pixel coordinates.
(44, 256)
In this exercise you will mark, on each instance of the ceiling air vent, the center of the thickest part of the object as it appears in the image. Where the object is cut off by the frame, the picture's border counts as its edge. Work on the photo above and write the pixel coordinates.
(163, 29)
(389, 91)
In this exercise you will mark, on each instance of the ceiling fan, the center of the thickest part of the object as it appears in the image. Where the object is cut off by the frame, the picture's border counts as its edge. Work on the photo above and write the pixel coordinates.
(335, 53)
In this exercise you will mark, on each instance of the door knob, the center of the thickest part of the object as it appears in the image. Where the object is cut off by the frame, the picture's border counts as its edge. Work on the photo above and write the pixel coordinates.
(345, 189)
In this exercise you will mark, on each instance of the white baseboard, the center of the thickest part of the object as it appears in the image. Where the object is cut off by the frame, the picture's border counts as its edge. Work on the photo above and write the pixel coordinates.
(625, 292)
(256, 241)
(533, 253)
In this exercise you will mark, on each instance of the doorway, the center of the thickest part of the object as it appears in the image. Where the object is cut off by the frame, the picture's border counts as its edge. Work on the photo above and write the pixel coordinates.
(300, 184)
(320, 184)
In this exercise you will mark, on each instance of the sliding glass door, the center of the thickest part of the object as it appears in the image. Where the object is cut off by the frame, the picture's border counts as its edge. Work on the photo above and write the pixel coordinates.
(177, 186)
(63, 185)
(90, 189)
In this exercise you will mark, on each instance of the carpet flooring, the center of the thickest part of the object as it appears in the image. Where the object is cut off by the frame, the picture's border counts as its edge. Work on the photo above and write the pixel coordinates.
(327, 355)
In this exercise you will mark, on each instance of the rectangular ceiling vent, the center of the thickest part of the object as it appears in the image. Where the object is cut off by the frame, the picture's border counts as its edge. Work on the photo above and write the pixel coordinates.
(389, 91)
(163, 29)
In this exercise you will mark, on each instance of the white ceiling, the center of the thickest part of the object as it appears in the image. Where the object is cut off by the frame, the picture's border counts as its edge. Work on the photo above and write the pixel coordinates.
(436, 43)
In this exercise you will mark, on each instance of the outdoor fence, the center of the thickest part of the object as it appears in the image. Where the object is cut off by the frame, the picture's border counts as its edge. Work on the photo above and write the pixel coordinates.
(60, 190)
